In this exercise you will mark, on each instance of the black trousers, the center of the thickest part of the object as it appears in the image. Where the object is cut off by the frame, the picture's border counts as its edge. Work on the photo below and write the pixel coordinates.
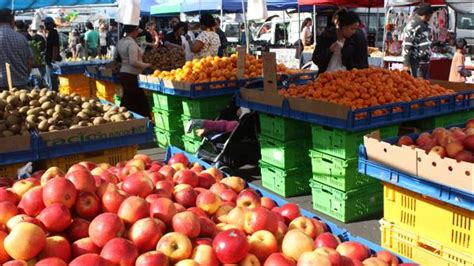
(133, 98)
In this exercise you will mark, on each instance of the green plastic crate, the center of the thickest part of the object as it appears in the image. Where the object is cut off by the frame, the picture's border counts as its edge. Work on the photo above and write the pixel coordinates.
(167, 120)
(289, 183)
(206, 107)
(283, 129)
(350, 206)
(285, 155)
(444, 121)
(341, 143)
(338, 173)
(191, 145)
(164, 138)
(168, 102)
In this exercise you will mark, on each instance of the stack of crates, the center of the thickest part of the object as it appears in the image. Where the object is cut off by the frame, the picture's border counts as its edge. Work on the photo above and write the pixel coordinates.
(76, 83)
(338, 189)
(426, 230)
(167, 111)
(205, 108)
(285, 164)
(452, 119)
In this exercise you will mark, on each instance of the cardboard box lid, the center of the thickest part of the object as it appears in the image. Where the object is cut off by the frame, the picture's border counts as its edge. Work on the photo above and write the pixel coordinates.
(15, 143)
(104, 131)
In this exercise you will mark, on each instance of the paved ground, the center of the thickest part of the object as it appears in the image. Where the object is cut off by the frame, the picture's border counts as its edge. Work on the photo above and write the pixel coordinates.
(367, 229)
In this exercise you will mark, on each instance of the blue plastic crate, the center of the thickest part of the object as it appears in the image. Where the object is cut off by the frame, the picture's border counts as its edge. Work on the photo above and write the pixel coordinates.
(22, 156)
(149, 86)
(443, 105)
(342, 233)
(449, 195)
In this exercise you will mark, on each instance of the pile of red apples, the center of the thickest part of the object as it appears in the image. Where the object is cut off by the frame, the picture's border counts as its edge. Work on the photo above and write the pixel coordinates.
(455, 143)
(145, 213)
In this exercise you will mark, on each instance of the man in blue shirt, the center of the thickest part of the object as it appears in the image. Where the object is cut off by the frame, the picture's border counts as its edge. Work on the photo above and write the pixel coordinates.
(14, 50)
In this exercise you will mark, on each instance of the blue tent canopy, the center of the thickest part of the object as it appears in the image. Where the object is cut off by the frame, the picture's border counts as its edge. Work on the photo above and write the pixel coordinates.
(229, 6)
(282, 4)
(145, 6)
(33, 4)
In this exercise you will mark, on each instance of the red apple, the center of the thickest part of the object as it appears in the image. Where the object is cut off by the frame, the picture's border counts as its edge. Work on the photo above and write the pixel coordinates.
(15, 263)
(469, 142)
(326, 240)
(87, 205)
(440, 135)
(260, 219)
(281, 231)
(423, 140)
(59, 190)
(228, 195)
(138, 184)
(78, 229)
(464, 156)
(90, 259)
(163, 209)
(4, 257)
(405, 140)
(208, 202)
(206, 180)
(305, 225)
(55, 217)
(262, 244)
(186, 223)
(453, 148)
(133, 209)
(32, 201)
(186, 176)
(387, 257)
(152, 258)
(197, 211)
(112, 199)
(144, 158)
(139, 164)
(249, 199)
(218, 188)
(51, 262)
(374, 262)
(8, 195)
(235, 183)
(88, 165)
(205, 255)
(296, 243)
(216, 173)
(83, 246)
(353, 250)
(145, 234)
(51, 173)
(104, 227)
(179, 207)
(221, 214)
(56, 246)
(120, 251)
(279, 259)
(176, 246)
(267, 202)
(290, 211)
(331, 253)
(159, 193)
(20, 187)
(438, 150)
(178, 158)
(155, 177)
(82, 180)
(231, 246)
(208, 228)
(313, 258)
(167, 172)
(185, 195)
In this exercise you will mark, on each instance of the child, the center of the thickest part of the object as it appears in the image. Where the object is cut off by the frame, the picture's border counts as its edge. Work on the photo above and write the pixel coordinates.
(458, 73)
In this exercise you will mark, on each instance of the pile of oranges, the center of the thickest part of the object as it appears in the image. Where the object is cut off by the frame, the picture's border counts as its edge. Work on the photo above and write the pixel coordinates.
(365, 88)
(211, 69)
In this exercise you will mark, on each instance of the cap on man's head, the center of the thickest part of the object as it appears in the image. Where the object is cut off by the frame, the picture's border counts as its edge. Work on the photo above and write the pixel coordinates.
(49, 21)
(424, 9)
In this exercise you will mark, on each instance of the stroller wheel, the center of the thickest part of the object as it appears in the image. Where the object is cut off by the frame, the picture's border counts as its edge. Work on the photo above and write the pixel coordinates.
(226, 169)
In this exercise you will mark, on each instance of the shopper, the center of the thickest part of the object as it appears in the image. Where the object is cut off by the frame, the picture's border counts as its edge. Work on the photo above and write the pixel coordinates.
(92, 40)
(207, 42)
(15, 51)
(174, 37)
(146, 39)
(21, 28)
(151, 28)
(103, 38)
(416, 49)
(342, 47)
(52, 52)
(222, 38)
(38, 48)
(458, 71)
(305, 37)
(74, 40)
(112, 37)
(187, 40)
(130, 55)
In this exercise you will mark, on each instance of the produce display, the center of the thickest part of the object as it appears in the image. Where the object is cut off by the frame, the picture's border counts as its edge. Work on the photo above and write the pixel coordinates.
(165, 57)
(217, 69)
(365, 88)
(455, 143)
(143, 212)
(45, 111)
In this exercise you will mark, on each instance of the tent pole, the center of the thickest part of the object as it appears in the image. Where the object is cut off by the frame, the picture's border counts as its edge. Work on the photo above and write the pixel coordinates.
(299, 25)
(247, 37)
(314, 24)
(284, 32)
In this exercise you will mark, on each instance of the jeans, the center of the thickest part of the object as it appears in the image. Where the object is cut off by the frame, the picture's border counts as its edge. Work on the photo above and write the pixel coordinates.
(420, 70)
(51, 79)
(39, 80)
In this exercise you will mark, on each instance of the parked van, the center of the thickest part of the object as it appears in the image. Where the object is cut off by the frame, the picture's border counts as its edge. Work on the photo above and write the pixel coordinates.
(280, 32)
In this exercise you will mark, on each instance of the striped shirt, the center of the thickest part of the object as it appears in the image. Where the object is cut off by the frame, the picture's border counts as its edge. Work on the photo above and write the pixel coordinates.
(14, 50)
(416, 47)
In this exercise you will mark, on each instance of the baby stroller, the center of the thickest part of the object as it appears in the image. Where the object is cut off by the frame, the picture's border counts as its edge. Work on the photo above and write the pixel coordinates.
(231, 150)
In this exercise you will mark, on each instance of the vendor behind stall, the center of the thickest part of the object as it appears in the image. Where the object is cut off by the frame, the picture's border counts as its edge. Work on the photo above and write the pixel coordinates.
(130, 55)
(343, 47)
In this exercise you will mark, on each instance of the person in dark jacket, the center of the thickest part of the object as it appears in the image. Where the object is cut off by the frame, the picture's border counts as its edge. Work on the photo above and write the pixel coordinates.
(416, 47)
(343, 47)
(223, 48)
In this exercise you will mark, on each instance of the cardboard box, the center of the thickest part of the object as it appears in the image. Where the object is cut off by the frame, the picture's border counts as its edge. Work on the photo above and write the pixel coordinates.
(104, 131)
(15, 143)
(417, 163)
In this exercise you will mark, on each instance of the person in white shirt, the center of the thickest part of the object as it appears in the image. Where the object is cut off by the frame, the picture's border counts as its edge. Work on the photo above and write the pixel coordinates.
(207, 42)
